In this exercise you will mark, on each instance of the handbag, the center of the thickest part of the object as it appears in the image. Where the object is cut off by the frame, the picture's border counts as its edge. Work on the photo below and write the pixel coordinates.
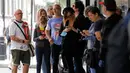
(31, 47)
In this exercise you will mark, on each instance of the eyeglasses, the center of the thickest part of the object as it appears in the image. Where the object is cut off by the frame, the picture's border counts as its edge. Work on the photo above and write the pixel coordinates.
(19, 13)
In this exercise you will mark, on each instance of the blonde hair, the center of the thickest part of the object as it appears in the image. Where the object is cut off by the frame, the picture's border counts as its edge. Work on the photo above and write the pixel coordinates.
(57, 6)
(39, 14)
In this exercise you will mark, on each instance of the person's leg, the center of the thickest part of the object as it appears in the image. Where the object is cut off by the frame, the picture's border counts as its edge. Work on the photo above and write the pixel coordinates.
(78, 56)
(9, 56)
(69, 60)
(51, 60)
(43, 65)
(16, 60)
(55, 55)
(64, 62)
(47, 59)
(14, 69)
(25, 68)
(39, 60)
(78, 64)
(25, 60)
(92, 70)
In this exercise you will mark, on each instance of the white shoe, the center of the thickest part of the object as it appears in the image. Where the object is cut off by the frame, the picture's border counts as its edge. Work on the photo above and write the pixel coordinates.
(10, 67)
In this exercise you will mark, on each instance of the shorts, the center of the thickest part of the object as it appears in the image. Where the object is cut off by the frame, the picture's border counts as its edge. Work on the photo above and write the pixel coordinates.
(18, 55)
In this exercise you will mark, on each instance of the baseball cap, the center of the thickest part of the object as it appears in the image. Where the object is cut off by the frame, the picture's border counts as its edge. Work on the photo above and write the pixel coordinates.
(109, 4)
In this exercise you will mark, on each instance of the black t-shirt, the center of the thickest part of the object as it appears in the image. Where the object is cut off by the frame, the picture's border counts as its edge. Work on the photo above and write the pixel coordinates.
(98, 25)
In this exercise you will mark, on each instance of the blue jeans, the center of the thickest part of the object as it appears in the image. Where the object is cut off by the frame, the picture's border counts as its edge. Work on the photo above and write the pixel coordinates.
(43, 60)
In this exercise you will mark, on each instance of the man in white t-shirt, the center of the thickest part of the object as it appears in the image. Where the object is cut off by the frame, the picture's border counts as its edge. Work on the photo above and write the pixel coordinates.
(19, 45)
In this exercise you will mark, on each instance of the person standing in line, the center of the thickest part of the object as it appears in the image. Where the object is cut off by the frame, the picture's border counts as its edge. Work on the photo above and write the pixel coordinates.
(109, 9)
(118, 56)
(68, 40)
(80, 24)
(93, 36)
(42, 43)
(50, 12)
(52, 33)
(8, 44)
(19, 45)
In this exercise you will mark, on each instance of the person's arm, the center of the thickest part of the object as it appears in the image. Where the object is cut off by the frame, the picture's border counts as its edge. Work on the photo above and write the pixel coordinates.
(12, 32)
(16, 39)
(49, 36)
(61, 28)
(47, 32)
(35, 37)
(98, 35)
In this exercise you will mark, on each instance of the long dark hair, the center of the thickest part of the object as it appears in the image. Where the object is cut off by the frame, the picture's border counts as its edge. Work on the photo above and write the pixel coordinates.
(67, 10)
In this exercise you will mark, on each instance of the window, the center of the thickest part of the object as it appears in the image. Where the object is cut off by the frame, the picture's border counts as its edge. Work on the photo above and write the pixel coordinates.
(72, 2)
(0, 6)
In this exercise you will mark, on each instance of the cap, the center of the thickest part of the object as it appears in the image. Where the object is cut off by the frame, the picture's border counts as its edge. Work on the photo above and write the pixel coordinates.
(109, 4)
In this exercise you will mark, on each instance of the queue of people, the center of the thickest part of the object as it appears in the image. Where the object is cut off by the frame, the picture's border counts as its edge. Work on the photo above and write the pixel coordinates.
(68, 35)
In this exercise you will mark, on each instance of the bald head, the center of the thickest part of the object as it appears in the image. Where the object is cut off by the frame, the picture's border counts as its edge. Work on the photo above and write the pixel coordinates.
(18, 14)
(18, 11)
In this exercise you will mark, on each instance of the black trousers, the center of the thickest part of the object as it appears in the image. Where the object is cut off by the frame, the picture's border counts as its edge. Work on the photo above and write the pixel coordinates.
(56, 49)
(73, 53)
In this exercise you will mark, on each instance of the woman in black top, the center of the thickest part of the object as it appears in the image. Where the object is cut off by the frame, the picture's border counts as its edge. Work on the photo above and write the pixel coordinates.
(42, 46)
(69, 37)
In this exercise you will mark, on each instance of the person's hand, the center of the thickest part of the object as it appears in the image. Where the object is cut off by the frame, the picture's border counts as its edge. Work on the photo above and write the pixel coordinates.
(67, 29)
(26, 41)
(83, 34)
(101, 63)
(41, 37)
(86, 32)
(51, 41)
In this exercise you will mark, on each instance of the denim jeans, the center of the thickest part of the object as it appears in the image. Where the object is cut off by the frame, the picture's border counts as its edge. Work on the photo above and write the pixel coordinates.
(43, 60)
